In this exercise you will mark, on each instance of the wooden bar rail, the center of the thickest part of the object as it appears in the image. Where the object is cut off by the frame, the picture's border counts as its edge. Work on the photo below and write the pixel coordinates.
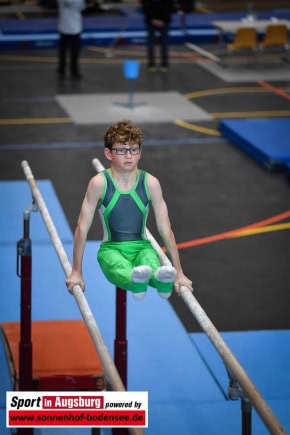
(230, 361)
(108, 364)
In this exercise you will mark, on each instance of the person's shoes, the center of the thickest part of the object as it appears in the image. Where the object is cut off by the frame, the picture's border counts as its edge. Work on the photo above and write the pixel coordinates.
(141, 274)
(77, 76)
(60, 74)
(164, 69)
(151, 69)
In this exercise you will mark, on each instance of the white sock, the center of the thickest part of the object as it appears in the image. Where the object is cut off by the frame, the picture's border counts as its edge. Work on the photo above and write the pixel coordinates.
(165, 295)
(139, 296)
(141, 274)
(165, 274)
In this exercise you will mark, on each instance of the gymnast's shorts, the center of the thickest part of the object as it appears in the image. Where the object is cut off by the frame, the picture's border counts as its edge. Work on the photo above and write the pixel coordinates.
(117, 259)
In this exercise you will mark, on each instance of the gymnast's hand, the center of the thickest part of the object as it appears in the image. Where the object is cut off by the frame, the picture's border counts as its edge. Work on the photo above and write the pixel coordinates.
(73, 279)
(182, 280)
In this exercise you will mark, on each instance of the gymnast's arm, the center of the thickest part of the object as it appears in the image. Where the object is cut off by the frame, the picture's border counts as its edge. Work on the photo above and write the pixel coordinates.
(165, 231)
(89, 205)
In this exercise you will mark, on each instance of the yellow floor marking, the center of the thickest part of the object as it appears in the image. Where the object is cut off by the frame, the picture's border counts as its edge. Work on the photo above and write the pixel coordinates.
(22, 121)
(236, 89)
(259, 114)
(198, 128)
(266, 229)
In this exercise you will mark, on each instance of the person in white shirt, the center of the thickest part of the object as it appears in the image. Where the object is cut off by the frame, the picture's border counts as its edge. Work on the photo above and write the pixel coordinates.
(70, 25)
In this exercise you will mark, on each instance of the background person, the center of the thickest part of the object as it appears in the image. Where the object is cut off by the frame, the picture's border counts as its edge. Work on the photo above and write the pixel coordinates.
(70, 24)
(157, 16)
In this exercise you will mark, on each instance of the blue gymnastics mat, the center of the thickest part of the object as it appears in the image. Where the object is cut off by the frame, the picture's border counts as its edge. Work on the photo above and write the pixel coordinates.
(265, 356)
(15, 198)
(266, 140)
(104, 29)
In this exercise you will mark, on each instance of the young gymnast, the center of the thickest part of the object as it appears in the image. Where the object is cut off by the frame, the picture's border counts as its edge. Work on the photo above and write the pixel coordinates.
(122, 194)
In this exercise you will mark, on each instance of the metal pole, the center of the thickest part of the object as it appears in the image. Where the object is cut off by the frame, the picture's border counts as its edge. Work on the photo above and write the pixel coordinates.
(120, 347)
(25, 345)
(235, 392)
(131, 94)
(246, 416)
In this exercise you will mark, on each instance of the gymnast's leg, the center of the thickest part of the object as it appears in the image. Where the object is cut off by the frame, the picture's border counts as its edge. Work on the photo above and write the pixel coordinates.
(162, 277)
(119, 271)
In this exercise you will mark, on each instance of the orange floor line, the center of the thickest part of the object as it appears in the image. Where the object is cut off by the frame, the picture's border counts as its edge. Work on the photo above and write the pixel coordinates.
(276, 90)
(231, 233)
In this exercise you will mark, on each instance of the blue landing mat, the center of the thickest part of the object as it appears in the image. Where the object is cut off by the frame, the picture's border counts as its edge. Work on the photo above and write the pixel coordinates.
(5, 385)
(212, 418)
(50, 298)
(266, 140)
(132, 20)
(41, 32)
(265, 356)
(15, 198)
(156, 337)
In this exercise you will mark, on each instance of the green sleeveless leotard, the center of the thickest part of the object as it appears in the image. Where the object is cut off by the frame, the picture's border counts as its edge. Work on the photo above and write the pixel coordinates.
(125, 245)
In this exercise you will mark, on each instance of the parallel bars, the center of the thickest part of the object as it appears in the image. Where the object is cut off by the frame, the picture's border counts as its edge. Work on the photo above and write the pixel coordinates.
(90, 322)
(230, 361)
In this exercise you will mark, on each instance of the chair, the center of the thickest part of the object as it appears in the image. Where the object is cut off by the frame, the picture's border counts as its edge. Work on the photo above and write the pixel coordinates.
(276, 35)
(246, 38)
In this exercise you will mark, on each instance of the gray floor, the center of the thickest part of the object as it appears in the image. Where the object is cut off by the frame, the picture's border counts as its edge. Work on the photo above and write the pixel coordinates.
(139, 107)
(247, 72)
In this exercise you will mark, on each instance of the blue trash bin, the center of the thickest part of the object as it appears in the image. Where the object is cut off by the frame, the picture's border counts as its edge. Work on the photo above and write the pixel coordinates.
(131, 69)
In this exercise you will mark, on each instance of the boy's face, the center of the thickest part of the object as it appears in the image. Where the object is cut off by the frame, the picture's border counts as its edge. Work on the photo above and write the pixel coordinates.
(124, 156)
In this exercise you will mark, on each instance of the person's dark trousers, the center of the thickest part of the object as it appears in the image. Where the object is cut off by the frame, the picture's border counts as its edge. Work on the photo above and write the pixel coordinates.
(71, 43)
(163, 31)
(164, 45)
(151, 45)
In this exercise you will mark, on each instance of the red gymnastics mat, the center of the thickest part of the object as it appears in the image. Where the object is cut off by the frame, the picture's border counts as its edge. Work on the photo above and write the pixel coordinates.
(64, 357)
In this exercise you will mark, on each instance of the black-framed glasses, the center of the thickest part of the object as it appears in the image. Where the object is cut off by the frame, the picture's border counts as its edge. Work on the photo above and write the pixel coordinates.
(122, 151)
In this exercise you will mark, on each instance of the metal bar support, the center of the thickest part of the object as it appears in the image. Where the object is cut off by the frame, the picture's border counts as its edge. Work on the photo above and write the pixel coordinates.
(24, 272)
(246, 407)
(235, 392)
(121, 344)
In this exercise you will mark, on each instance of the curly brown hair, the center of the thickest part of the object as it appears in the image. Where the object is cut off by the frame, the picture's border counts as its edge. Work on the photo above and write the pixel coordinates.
(123, 132)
